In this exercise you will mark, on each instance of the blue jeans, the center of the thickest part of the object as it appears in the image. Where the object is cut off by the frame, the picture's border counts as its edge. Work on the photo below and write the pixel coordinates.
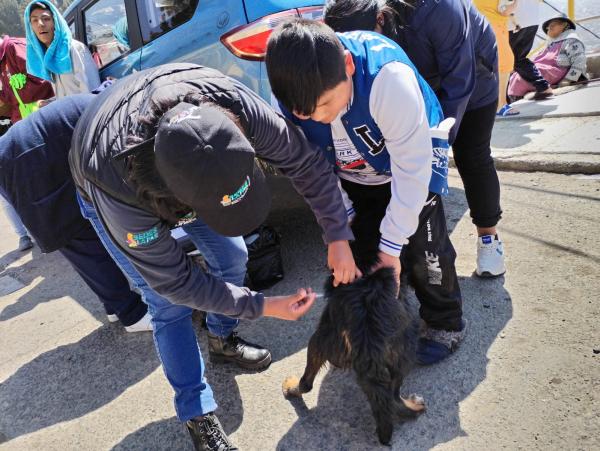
(13, 217)
(174, 335)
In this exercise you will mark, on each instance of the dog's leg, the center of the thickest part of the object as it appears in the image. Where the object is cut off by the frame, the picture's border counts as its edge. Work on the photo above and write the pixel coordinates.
(382, 405)
(411, 407)
(314, 361)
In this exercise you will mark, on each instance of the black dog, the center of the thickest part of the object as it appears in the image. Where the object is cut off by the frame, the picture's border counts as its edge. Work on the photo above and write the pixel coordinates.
(365, 327)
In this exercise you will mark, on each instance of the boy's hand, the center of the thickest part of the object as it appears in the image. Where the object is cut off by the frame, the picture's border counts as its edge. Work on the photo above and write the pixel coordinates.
(389, 261)
(291, 307)
(341, 262)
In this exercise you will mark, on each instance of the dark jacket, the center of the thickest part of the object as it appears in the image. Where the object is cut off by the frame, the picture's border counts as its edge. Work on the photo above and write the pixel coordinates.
(454, 48)
(102, 133)
(35, 175)
(12, 61)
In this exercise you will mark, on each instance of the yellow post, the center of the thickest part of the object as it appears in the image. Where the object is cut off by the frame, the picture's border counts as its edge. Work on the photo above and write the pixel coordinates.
(571, 9)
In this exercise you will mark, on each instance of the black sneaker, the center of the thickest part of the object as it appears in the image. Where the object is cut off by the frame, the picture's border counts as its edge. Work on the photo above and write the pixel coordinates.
(208, 434)
(239, 351)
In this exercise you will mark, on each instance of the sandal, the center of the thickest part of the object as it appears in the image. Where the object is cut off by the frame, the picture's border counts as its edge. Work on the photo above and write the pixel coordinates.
(506, 111)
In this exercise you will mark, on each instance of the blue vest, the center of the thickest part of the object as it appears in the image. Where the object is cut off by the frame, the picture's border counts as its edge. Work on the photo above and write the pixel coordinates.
(370, 52)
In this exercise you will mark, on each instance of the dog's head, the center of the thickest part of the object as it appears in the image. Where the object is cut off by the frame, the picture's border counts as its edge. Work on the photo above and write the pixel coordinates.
(369, 303)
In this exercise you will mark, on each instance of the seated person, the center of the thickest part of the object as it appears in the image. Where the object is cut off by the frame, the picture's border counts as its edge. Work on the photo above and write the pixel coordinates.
(561, 62)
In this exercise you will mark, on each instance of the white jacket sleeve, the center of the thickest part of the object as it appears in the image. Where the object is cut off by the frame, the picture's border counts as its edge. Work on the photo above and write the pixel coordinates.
(398, 108)
(85, 70)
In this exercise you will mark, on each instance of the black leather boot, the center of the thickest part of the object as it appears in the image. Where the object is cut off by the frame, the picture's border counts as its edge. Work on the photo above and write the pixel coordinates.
(239, 351)
(208, 434)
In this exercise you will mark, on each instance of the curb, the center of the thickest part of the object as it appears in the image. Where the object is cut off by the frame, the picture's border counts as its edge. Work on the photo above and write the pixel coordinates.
(555, 167)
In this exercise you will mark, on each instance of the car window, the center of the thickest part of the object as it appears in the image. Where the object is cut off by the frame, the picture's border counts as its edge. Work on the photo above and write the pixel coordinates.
(164, 15)
(72, 28)
(106, 30)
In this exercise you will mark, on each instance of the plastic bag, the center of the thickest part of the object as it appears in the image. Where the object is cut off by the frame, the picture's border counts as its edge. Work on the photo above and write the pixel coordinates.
(265, 265)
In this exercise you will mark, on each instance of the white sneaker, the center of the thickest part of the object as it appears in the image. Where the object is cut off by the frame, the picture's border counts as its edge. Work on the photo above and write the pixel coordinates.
(112, 318)
(490, 257)
(143, 325)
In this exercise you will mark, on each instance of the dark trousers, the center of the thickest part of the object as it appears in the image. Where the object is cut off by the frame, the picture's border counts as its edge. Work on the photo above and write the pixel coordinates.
(427, 259)
(521, 43)
(473, 158)
(92, 262)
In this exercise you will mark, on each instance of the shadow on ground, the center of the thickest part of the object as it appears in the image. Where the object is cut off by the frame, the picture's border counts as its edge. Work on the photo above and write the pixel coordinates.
(515, 131)
(342, 419)
(53, 269)
(75, 379)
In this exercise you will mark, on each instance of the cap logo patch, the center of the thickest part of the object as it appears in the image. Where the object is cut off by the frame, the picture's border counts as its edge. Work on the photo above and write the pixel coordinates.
(185, 114)
(230, 199)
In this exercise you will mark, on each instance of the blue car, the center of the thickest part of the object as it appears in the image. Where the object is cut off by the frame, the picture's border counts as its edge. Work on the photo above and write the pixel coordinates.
(229, 35)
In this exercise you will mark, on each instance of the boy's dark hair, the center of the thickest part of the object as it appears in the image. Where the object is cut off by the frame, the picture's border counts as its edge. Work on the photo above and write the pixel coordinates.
(39, 5)
(349, 15)
(304, 59)
(151, 189)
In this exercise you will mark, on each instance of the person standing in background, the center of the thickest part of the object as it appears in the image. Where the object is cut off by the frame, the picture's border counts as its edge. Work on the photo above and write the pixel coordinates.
(52, 53)
(35, 179)
(17, 225)
(522, 28)
(497, 12)
(20, 94)
(19, 91)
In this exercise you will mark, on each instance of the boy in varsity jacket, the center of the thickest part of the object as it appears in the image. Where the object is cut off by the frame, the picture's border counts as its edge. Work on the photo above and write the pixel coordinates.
(359, 98)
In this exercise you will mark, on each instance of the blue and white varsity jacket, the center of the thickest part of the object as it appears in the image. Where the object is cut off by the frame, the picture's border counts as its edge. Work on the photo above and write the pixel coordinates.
(371, 52)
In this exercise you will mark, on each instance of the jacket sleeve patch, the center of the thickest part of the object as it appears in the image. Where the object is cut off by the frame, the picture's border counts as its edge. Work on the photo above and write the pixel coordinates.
(142, 238)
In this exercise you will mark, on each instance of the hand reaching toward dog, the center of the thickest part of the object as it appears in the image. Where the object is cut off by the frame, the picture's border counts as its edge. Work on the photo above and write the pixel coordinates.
(290, 307)
(341, 262)
(389, 261)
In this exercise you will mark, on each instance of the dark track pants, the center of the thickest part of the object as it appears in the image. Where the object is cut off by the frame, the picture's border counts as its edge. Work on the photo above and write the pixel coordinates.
(428, 258)
(92, 262)
(473, 158)
(521, 43)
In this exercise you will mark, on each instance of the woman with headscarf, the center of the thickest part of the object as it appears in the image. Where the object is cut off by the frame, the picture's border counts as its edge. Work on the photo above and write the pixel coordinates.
(52, 53)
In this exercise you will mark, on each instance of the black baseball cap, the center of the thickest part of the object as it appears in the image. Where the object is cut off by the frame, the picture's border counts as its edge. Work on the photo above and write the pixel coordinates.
(208, 164)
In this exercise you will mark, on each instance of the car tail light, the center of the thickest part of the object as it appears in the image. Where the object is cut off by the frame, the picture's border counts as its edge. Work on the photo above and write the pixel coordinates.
(249, 41)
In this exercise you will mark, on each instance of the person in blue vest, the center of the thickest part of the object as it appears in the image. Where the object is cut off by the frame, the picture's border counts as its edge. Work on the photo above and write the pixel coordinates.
(359, 98)
(453, 47)
(35, 178)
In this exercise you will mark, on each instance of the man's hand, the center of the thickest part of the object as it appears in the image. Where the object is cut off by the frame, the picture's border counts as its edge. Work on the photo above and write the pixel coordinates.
(43, 103)
(291, 307)
(341, 262)
(389, 261)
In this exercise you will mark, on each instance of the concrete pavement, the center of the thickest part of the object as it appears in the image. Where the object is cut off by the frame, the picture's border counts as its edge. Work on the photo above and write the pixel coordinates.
(560, 134)
(526, 377)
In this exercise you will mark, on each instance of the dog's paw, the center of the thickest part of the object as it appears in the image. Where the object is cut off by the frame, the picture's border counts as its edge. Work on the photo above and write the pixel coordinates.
(415, 403)
(290, 387)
